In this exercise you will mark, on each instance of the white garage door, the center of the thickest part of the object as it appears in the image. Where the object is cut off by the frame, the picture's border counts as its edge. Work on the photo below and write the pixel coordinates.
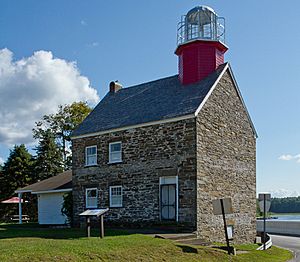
(49, 209)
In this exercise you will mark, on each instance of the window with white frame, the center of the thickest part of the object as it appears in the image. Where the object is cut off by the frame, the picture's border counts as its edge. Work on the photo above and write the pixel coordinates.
(91, 195)
(115, 196)
(115, 152)
(91, 155)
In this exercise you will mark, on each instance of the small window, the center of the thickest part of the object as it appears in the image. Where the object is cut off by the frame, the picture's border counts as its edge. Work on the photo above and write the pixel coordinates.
(115, 152)
(91, 155)
(91, 197)
(115, 196)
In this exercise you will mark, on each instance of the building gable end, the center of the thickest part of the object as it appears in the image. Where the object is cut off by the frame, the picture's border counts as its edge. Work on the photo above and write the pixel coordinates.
(228, 68)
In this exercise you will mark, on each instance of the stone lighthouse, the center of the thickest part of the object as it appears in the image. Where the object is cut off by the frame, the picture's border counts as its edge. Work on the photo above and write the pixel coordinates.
(161, 152)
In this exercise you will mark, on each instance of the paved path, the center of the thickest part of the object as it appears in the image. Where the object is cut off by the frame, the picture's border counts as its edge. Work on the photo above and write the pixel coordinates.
(291, 243)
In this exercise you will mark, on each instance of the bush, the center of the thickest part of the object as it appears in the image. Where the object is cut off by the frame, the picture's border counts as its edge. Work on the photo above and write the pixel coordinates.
(67, 207)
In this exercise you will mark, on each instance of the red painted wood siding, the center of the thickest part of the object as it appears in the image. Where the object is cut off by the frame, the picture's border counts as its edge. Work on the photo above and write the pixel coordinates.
(198, 59)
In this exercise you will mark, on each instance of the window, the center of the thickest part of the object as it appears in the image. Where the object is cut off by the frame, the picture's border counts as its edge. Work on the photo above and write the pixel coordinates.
(115, 152)
(91, 155)
(91, 195)
(115, 196)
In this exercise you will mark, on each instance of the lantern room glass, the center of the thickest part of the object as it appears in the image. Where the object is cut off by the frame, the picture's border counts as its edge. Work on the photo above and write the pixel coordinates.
(201, 23)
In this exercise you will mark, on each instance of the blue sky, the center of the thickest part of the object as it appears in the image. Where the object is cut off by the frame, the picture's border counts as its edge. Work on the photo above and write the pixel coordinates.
(134, 42)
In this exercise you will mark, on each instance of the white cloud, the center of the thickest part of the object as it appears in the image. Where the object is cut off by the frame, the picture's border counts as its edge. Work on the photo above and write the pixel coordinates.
(82, 22)
(286, 157)
(34, 86)
(290, 157)
(1, 161)
(284, 193)
(93, 44)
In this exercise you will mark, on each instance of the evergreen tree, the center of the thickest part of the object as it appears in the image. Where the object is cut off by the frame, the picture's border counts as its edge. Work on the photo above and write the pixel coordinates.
(17, 171)
(49, 161)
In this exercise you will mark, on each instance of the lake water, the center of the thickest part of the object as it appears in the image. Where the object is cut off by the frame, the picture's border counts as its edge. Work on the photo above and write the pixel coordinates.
(287, 217)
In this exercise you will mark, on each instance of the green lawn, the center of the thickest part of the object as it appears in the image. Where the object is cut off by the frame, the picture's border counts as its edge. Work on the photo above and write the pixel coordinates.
(31, 243)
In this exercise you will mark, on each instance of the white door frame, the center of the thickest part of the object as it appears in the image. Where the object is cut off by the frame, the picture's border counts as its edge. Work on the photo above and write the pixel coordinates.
(166, 180)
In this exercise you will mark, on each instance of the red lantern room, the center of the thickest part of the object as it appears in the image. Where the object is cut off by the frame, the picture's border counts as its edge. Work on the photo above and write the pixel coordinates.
(200, 44)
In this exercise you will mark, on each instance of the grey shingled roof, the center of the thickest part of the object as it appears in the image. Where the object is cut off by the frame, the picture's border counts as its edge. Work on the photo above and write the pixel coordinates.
(153, 101)
(60, 181)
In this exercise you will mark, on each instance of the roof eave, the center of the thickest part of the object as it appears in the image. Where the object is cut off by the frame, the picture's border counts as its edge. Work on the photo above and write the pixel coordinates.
(22, 191)
(242, 100)
(52, 191)
(168, 120)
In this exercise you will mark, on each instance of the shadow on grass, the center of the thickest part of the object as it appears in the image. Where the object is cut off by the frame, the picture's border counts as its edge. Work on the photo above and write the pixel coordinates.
(188, 249)
(32, 230)
(220, 247)
(224, 248)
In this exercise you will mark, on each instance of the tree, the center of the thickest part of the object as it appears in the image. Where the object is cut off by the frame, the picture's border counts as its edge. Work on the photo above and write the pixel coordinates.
(67, 207)
(285, 205)
(49, 160)
(17, 171)
(61, 125)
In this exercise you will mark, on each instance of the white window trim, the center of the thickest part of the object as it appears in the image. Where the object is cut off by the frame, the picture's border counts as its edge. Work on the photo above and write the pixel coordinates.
(86, 158)
(110, 197)
(86, 197)
(110, 161)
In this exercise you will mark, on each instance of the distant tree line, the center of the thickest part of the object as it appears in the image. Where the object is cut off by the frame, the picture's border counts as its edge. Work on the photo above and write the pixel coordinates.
(53, 155)
(285, 205)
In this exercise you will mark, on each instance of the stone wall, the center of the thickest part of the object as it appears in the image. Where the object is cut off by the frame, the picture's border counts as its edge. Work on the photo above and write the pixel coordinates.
(226, 163)
(148, 153)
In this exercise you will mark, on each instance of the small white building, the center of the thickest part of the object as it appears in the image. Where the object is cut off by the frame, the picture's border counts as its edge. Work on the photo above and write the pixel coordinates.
(50, 194)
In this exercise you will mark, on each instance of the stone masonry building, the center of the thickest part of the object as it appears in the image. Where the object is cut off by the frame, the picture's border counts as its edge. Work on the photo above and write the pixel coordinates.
(161, 151)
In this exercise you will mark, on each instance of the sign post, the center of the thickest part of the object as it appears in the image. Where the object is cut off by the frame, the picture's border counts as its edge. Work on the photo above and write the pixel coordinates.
(88, 226)
(225, 226)
(264, 205)
(94, 212)
(222, 207)
(101, 227)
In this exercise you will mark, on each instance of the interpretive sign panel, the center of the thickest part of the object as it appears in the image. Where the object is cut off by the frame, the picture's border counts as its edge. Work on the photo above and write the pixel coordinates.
(94, 212)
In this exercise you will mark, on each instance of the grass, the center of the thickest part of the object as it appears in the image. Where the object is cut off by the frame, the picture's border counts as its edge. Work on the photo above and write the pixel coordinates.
(32, 243)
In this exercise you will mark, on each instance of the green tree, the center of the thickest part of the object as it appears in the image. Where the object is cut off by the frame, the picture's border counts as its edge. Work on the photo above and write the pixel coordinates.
(48, 160)
(285, 205)
(67, 207)
(258, 212)
(17, 171)
(61, 124)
